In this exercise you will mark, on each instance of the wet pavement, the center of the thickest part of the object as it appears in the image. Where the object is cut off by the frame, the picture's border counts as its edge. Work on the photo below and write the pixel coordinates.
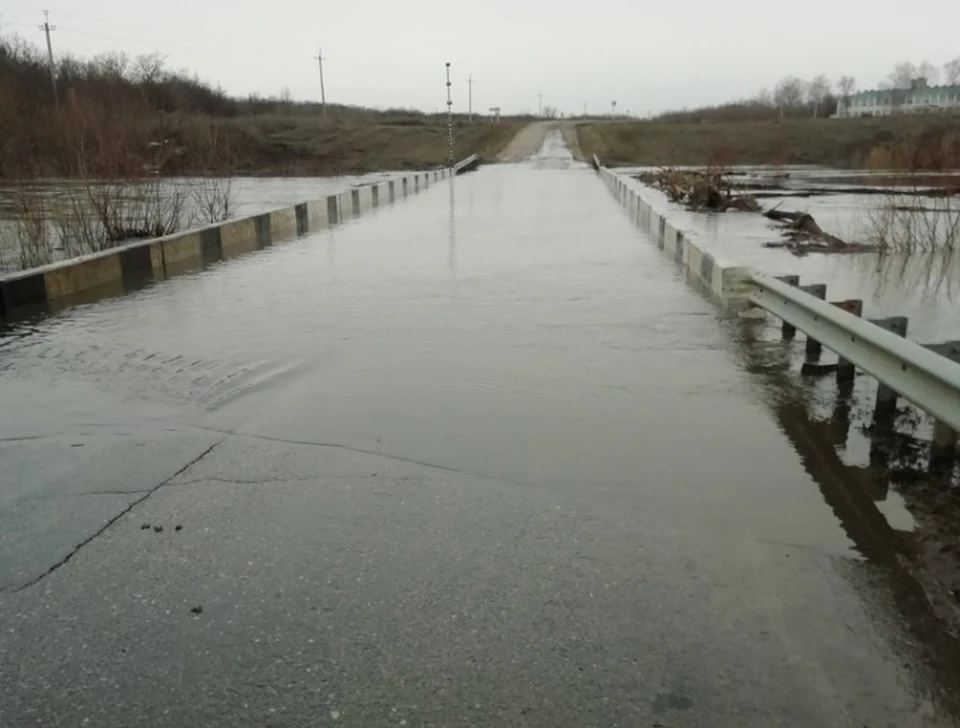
(481, 458)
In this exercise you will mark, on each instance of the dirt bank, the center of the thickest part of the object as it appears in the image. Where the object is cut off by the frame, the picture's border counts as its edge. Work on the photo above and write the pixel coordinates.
(832, 142)
(299, 146)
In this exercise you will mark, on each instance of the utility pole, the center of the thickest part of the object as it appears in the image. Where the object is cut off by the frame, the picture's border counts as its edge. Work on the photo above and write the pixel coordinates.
(540, 114)
(470, 98)
(449, 119)
(613, 106)
(584, 109)
(323, 92)
(46, 28)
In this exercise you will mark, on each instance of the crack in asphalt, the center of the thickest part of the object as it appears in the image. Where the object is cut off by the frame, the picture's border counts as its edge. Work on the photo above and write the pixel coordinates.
(114, 492)
(373, 453)
(338, 446)
(252, 481)
(145, 494)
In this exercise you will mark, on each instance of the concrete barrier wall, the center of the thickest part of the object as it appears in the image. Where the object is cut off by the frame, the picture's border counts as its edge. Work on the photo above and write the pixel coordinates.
(129, 267)
(721, 278)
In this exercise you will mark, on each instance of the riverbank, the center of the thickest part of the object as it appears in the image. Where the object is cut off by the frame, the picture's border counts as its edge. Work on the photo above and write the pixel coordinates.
(297, 145)
(281, 145)
(845, 143)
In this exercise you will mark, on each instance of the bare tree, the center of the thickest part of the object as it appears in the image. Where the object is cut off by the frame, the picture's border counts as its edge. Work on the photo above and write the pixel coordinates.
(789, 92)
(929, 72)
(113, 64)
(817, 92)
(898, 81)
(846, 86)
(765, 97)
(901, 76)
(951, 72)
(149, 68)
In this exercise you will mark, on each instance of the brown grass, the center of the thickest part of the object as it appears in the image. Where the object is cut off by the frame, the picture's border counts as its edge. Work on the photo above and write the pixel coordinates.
(833, 142)
(920, 211)
(303, 145)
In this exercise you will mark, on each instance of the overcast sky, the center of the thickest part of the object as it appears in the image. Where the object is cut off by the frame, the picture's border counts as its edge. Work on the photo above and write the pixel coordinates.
(646, 56)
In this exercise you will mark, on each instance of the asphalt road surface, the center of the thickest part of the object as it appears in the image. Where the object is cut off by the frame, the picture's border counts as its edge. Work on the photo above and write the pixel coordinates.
(481, 458)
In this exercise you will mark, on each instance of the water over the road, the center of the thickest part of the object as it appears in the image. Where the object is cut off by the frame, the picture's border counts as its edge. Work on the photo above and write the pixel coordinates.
(513, 328)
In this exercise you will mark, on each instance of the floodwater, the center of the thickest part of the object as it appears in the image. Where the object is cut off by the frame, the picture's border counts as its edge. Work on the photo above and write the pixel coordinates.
(479, 458)
(250, 196)
(925, 287)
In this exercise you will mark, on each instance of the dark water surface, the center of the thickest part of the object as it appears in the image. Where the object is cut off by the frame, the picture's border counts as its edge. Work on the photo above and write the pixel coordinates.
(481, 458)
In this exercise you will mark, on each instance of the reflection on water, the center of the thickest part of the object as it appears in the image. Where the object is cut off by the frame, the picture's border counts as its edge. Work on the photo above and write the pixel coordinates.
(452, 233)
(932, 277)
(854, 458)
(248, 196)
(898, 510)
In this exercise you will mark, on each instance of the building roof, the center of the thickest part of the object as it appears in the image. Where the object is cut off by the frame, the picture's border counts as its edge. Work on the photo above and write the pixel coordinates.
(922, 91)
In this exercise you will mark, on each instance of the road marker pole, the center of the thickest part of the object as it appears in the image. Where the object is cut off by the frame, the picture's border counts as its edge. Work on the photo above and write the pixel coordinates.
(449, 119)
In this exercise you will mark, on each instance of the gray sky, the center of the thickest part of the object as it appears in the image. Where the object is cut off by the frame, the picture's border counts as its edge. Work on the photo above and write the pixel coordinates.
(391, 52)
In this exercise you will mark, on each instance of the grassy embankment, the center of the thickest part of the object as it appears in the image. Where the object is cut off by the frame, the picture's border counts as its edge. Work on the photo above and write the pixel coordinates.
(305, 145)
(831, 142)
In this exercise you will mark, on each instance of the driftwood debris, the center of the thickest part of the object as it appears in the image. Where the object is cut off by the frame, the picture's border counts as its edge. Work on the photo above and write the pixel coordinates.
(700, 191)
(804, 235)
(714, 191)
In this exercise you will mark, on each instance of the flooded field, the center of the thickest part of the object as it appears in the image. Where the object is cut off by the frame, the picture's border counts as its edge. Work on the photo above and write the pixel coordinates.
(923, 285)
(247, 196)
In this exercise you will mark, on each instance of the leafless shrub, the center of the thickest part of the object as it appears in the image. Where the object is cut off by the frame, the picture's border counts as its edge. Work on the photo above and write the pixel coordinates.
(921, 210)
(28, 227)
(213, 195)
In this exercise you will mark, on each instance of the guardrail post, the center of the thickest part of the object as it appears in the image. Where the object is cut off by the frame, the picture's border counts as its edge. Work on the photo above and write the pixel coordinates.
(789, 331)
(944, 446)
(886, 404)
(814, 348)
(845, 370)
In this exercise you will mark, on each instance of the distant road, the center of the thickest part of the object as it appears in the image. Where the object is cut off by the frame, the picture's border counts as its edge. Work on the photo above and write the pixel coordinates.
(529, 140)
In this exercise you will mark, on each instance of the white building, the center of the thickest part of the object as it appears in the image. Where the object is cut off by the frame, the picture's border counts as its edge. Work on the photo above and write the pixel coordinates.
(917, 99)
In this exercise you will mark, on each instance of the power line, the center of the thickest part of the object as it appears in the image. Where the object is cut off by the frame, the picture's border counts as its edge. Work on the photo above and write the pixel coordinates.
(122, 24)
(194, 47)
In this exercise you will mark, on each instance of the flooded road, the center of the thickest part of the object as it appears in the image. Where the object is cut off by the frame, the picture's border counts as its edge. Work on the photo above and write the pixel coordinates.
(481, 458)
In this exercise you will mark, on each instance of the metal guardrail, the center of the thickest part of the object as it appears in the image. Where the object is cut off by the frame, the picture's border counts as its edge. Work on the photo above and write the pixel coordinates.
(927, 379)
(465, 165)
(928, 376)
